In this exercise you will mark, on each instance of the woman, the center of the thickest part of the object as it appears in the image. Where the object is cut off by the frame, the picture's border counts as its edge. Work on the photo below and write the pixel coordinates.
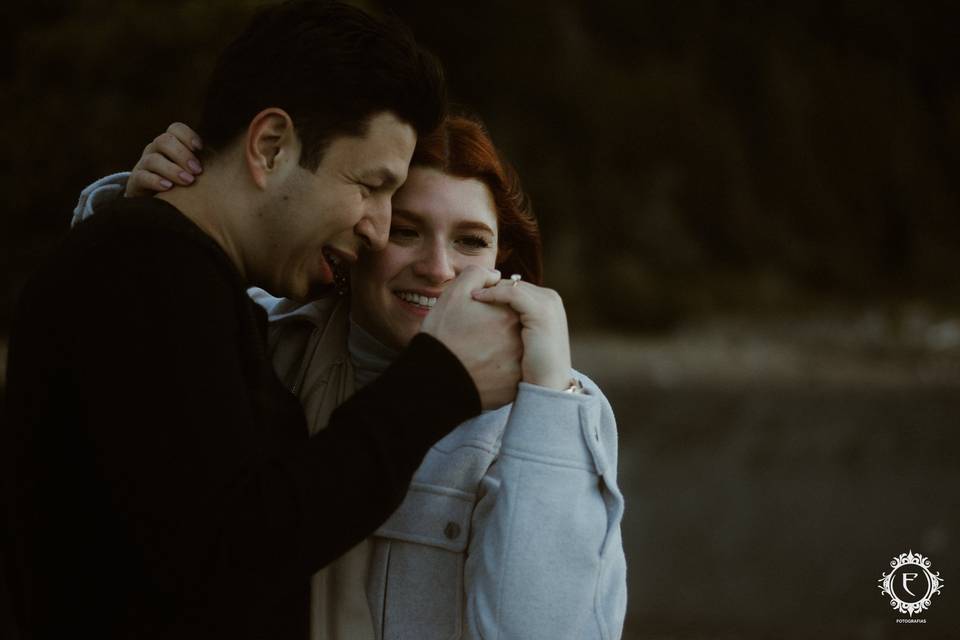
(511, 527)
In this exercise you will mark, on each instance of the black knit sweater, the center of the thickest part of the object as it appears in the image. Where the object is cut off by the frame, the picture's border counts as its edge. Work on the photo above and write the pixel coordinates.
(160, 482)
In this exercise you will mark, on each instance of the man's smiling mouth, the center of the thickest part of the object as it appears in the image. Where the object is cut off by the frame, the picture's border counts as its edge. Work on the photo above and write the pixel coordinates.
(332, 258)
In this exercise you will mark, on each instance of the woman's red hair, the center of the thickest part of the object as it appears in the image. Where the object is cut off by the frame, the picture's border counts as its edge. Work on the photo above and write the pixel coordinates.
(461, 147)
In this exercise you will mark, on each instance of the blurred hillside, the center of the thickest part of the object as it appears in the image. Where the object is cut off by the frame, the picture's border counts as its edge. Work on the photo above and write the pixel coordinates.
(685, 158)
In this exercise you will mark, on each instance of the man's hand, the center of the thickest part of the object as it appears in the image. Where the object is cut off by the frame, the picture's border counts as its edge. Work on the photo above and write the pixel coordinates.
(485, 337)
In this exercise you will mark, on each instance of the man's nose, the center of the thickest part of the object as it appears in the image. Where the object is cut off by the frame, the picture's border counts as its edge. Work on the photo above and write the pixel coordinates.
(374, 227)
(436, 265)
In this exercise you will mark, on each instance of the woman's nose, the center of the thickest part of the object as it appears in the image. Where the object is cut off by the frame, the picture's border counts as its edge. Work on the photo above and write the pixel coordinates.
(436, 265)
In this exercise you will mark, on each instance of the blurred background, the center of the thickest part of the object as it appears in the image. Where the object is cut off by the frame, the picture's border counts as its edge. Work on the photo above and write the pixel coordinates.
(751, 210)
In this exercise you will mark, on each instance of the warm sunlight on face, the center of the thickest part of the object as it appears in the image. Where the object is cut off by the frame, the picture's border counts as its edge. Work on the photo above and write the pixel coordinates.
(440, 225)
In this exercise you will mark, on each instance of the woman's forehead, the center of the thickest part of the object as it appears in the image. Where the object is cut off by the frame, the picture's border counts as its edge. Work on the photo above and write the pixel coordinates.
(433, 197)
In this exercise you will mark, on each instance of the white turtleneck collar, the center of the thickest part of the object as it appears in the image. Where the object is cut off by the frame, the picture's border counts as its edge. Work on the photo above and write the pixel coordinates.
(370, 357)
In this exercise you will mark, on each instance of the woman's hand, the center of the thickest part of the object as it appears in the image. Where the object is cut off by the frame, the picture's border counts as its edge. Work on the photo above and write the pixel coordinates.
(166, 161)
(543, 321)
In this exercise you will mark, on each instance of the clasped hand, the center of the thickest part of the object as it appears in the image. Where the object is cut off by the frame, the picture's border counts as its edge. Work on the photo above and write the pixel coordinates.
(503, 332)
(543, 322)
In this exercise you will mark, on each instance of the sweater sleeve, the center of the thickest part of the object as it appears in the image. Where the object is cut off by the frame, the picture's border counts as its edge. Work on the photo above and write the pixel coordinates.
(216, 508)
(546, 557)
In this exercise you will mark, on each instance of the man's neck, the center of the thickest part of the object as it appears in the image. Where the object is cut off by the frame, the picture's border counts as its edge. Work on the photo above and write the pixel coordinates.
(210, 204)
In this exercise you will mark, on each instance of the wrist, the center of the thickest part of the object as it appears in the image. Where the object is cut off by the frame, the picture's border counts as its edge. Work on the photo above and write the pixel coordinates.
(555, 382)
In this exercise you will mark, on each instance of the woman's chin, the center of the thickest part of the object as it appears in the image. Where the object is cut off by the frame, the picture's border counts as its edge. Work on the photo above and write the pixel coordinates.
(403, 339)
(401, 333)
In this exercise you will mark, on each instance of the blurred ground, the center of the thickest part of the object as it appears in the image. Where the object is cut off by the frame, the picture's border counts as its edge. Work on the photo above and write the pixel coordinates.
(773, 468)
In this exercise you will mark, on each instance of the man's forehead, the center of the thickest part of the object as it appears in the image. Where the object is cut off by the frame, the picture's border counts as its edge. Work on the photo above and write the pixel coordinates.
(385, 147)
(370, 161)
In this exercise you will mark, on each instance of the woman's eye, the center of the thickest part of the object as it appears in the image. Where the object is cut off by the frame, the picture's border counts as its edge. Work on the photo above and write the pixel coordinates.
(474, 242)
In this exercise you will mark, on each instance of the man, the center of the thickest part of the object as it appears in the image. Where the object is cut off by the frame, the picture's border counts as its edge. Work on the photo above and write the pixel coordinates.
(161, 482)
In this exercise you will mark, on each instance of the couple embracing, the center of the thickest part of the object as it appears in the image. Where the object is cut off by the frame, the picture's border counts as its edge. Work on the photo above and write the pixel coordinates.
(295, 376)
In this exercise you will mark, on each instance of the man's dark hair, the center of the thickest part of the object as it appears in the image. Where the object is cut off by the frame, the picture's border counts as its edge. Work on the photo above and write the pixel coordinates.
(331, 67)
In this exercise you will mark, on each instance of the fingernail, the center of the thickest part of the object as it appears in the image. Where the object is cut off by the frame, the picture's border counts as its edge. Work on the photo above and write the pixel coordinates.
(197, 145)
(194, 166)
(186, 177)
(166, 184)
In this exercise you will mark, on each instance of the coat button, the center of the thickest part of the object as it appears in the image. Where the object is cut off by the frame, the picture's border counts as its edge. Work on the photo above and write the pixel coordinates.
(452, 531)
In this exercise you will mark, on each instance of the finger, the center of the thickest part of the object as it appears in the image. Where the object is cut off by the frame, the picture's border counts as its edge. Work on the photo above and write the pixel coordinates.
(186, 135)
(508, 287)
(144, 183)
(518, 297)
(176, 151)
(158, 164)
(474, 277)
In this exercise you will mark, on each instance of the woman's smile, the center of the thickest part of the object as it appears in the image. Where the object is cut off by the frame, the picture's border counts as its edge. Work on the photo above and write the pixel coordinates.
(419, 303)
(441, 224)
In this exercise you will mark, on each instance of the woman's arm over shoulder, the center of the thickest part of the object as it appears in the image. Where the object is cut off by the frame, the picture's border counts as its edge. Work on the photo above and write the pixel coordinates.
(166, 161)
(546, 555)
(97, 194)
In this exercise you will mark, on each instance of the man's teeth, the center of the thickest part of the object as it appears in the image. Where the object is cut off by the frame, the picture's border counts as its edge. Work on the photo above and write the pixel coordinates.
(414, 298)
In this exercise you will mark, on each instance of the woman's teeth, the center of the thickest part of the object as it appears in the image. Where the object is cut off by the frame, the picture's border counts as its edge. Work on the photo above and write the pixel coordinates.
(414, 298)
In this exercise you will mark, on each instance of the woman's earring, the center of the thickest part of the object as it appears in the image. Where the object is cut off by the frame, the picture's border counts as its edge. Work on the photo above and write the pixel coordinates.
(341, 280)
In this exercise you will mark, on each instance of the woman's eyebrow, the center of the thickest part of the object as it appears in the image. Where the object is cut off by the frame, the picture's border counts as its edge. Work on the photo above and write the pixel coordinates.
(409, 215)
(463, 225)
(476, 226)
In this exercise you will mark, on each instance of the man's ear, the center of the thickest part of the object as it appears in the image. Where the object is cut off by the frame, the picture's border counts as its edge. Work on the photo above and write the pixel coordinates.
(271, 145)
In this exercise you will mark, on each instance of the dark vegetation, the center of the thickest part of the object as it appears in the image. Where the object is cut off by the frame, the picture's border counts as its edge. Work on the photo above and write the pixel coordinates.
(684, 157)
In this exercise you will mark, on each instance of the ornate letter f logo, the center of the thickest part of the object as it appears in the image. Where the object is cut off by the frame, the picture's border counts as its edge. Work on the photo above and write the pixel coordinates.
(908, 577)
